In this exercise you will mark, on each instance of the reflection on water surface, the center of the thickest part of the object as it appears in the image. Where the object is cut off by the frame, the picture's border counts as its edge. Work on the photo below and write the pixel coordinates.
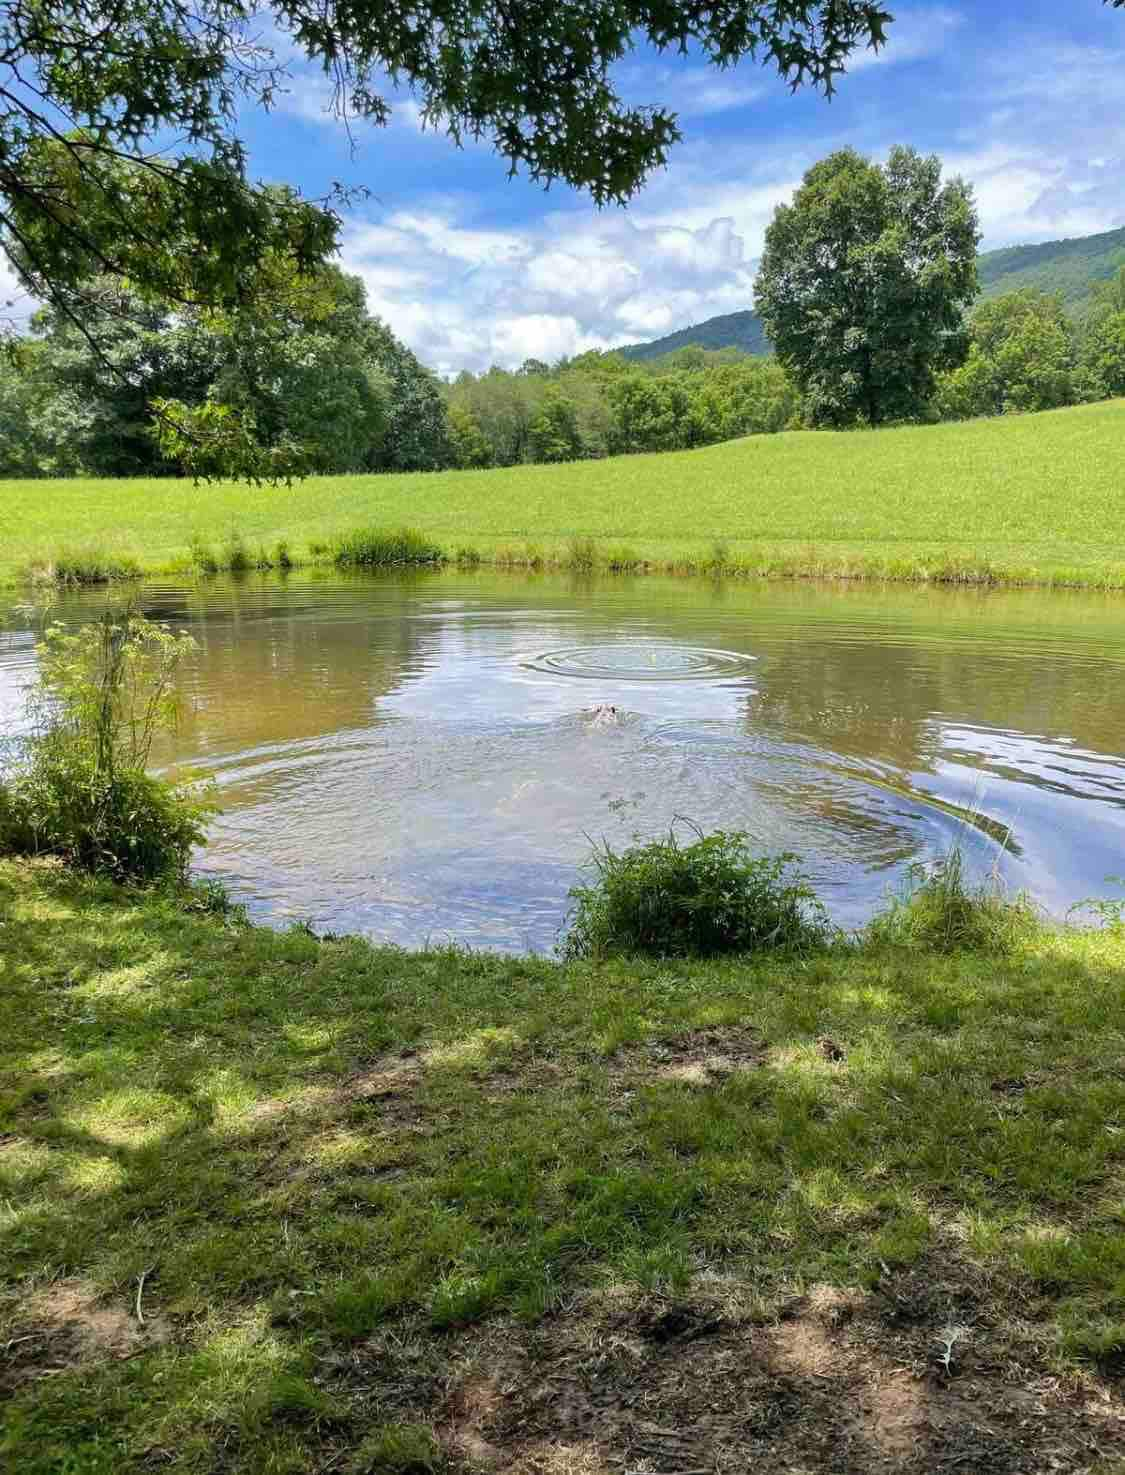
(429, 757)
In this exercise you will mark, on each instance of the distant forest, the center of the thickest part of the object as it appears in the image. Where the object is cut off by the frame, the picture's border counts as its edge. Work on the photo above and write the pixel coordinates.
(334, 391)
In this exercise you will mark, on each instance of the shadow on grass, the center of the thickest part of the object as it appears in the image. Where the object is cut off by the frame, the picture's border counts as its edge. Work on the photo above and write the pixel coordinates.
(339, 1168)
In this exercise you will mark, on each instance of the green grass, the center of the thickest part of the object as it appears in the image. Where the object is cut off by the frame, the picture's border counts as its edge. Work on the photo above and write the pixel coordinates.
(375, 548)
(89, 566)
(442, 1211)
(1033, 499)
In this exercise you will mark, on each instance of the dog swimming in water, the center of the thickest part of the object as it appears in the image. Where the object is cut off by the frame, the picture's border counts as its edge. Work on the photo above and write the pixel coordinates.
(603, 715)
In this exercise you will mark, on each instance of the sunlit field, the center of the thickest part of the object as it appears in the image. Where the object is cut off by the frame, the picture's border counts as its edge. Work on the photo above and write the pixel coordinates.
(1034, 498)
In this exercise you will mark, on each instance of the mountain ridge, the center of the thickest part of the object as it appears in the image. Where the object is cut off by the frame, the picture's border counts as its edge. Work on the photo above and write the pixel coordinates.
(1070, 265)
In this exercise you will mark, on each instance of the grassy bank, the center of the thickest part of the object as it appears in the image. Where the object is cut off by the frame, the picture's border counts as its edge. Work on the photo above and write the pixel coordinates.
(1031, 499)
(273, 1204)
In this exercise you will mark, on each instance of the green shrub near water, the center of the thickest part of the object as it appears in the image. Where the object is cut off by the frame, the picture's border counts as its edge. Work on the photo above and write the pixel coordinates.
(87, 566)
(377, 548)
(81, 792)
(702, 900)
(941, 912)
(237, 558)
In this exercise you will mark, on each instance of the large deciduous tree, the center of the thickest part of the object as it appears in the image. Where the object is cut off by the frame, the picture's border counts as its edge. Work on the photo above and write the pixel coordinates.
(864, 282)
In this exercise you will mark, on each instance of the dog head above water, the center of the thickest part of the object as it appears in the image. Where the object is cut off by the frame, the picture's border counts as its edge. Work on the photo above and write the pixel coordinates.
(601, 715)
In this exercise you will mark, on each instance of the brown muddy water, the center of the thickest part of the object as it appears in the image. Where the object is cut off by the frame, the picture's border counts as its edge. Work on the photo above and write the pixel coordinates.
(429, 758)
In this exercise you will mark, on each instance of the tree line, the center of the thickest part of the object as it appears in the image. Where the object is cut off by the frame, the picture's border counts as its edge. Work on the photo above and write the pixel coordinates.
(326, 387)
(319, 385)
(866, 288)
(1015, 353)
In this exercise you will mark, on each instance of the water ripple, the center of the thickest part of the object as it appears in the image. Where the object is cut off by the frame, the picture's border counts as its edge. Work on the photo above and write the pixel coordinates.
(644, 661)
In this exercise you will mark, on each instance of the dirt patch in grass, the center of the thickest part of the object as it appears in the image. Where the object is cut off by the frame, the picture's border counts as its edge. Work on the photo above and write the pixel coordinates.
(473, 1405)
(621, 1383)
(387, 1085)
(67, 1324)
(391, 1084)
(387, 1080)
(702, 1057)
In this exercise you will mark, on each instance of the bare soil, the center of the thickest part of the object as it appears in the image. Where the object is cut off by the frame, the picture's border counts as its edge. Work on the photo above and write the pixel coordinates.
(844, 1383)
(68, 1324)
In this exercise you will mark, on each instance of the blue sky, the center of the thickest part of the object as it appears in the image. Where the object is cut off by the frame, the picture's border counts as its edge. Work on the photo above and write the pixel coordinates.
(1025, 98)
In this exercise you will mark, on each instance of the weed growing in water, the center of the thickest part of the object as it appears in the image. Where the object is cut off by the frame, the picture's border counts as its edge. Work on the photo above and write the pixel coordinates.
(202, 556)
(700, 900)
(940, 912)
(1109, 911)
(81, 792)
(582, 555)
(210, 898)
(236, 556)
(624, 560)
(84, 567)
(375, 548)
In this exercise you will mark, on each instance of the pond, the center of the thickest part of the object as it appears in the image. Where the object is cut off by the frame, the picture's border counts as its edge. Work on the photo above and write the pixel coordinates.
(429, 758)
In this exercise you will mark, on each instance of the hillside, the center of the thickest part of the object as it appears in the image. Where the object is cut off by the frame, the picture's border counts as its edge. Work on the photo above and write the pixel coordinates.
(1025, 498)
(1071, 267)
(732, 330)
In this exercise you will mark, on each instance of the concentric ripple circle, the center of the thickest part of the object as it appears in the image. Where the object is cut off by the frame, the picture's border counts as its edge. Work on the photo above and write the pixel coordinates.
(644, 661)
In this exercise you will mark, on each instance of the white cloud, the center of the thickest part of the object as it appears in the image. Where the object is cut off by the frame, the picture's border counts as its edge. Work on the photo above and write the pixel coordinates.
(913, 36)
(578, 281)
(1055, 164)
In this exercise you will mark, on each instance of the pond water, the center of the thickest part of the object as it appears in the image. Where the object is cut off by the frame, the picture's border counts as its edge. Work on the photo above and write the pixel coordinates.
(431, 757)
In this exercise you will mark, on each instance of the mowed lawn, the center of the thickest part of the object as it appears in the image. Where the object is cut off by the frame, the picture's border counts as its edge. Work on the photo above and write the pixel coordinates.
(270, 1204)
(1037, 497)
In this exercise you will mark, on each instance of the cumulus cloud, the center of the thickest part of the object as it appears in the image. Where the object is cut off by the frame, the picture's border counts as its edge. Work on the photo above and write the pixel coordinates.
(574, 283)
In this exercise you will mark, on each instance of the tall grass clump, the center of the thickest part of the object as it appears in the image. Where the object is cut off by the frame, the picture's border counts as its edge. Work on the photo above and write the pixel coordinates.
(700, 900)
(940, 911)
(622, 559)
(1108, 912)
(80, 790)
(377, 548)
(582, 556)
(88, 566)
(202, 556)
(237, 558)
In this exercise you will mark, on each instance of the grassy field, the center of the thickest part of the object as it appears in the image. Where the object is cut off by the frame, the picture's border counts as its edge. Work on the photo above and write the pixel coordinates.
(1027, 499)
(269, 1204)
